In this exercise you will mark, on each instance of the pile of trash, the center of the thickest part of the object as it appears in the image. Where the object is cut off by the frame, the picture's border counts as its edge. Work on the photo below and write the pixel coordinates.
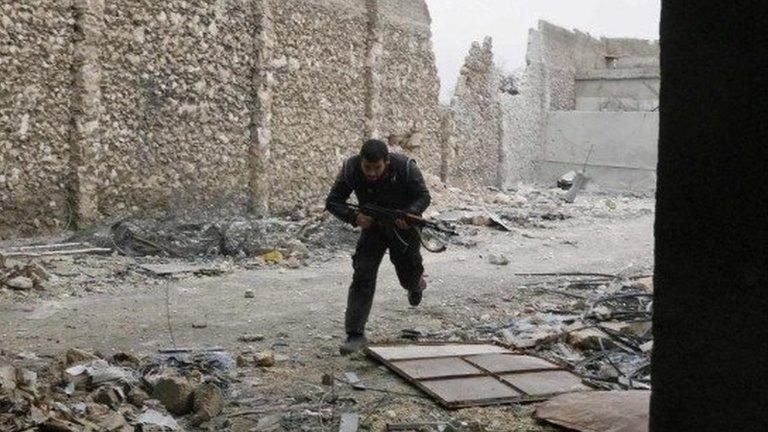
(82, 391)
(238, 236)
(603, 333)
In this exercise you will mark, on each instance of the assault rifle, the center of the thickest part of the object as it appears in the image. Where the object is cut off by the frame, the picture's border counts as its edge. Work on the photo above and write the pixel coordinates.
(387, 217)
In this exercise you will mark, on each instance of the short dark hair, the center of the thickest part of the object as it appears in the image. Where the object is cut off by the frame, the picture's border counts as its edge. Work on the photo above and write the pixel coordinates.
(374, 150)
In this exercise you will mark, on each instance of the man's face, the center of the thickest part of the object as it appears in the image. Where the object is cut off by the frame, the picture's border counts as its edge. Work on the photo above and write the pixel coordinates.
(373, 171)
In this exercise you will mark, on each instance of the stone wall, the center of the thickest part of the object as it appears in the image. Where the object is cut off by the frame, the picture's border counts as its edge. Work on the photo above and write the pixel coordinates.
(319, 96)
(120, 107)
(176, 88)
(36, 59)
(408, 80)
(478, 118)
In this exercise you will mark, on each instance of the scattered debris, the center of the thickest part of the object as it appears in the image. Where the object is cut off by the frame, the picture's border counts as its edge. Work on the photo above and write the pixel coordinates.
(80, 391)
(603, 411)
(352, 379)
(174, 269)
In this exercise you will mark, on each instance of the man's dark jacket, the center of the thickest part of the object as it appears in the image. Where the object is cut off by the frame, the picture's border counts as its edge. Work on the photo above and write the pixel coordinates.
(401, 187)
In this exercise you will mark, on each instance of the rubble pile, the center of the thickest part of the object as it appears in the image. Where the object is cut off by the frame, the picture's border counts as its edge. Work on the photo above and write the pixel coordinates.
(603, 333)
(24, 277)
(82, 391)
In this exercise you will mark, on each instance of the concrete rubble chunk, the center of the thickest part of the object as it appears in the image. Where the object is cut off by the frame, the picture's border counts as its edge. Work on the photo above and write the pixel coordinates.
(481, 220)
(7, 377)
(110, 396)
(264, 359)
(208, 402)
(647, 347)
(269, 423)
(175, 393)
(498, 259)
(590, 339)
(26, 378)
(21, 283)
(76, 356)
(137, 397)
(153, 418)
(251, 338)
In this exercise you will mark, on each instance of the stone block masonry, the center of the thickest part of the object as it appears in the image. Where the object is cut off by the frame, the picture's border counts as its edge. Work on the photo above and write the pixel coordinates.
(120, 107)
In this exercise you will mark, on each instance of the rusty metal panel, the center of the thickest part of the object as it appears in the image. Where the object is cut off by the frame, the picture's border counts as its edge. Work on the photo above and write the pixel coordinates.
(470, 389)
(545, 383)
(510, 363)
(435, 368)
(427, 351)
(465, 375)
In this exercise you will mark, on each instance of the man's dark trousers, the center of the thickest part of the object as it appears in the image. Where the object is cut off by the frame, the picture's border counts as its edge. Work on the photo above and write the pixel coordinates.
(371, 246)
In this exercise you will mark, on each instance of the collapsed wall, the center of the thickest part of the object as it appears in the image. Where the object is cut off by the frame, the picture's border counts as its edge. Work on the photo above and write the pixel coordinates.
(140, 107)
(534, 127)
(477, 116)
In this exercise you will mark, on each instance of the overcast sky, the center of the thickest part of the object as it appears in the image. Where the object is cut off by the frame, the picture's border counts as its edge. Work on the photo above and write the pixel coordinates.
(456, 23)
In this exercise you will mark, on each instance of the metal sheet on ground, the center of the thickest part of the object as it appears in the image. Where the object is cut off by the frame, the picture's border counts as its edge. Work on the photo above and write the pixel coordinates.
(426, 351)
(619, 411)
(464, 375)
(435, 368)
(510, 363)
(546, 383)
(470, 389)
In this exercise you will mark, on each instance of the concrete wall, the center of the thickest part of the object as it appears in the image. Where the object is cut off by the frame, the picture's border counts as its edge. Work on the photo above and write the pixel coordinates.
(624, 148)
(524, 117)
(138, 107)
(616, 90)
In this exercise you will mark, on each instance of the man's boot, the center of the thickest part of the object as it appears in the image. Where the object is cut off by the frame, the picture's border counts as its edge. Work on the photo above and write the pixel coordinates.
(414, 295)
(353, 344)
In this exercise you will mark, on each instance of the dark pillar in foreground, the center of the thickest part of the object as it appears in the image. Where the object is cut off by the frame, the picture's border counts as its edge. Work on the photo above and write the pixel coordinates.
(711, 302)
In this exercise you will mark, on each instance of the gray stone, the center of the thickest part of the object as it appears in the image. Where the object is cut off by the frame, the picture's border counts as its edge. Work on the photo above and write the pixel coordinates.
(137, 397)
(498, 259)
(20, 283)
(264, 359)
(590, 339)
(208, 402)
(175, 393)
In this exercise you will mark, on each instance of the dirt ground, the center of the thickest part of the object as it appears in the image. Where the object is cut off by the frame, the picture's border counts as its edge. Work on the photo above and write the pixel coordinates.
(106, 304)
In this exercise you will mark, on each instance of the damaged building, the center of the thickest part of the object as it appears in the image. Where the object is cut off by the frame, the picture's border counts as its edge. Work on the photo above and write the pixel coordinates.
(580, 103)
(123, 107)
(117, 108)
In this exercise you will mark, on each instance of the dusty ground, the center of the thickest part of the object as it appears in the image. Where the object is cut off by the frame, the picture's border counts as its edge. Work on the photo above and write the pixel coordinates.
(105, 303)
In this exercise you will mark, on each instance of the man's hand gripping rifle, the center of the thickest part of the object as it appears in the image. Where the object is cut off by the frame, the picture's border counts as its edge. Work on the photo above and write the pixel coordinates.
(387, 217)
